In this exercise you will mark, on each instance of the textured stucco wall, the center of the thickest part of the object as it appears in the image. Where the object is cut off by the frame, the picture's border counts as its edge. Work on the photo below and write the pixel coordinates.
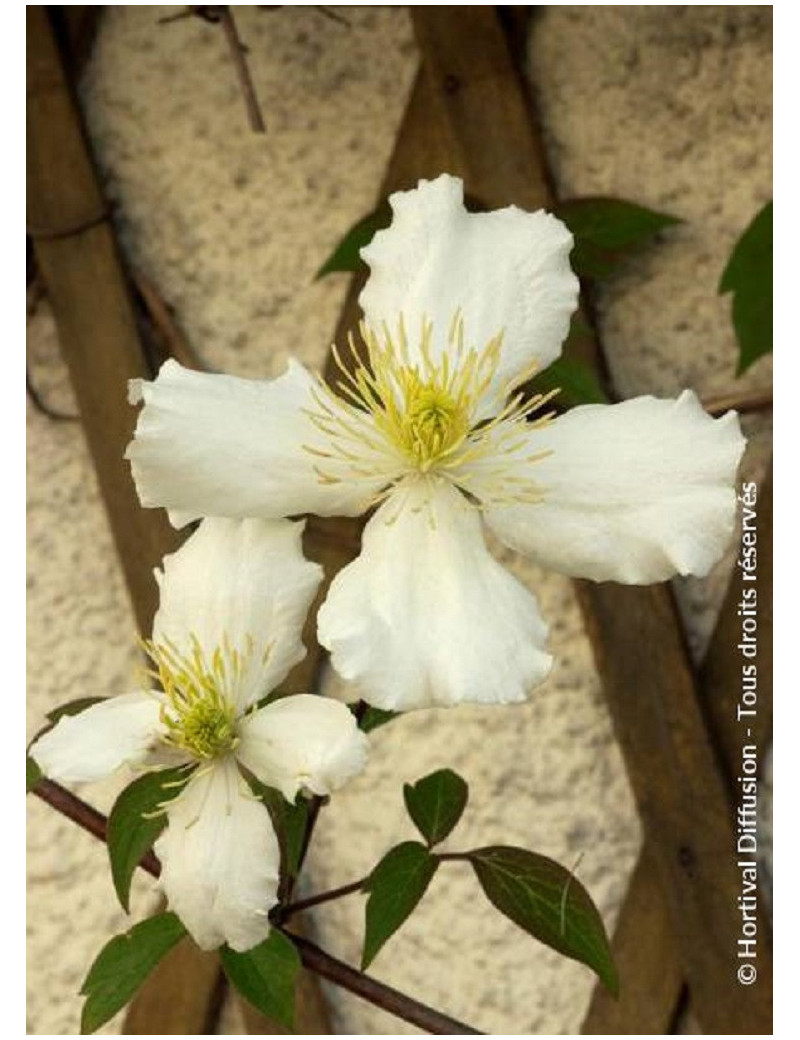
(665, 105)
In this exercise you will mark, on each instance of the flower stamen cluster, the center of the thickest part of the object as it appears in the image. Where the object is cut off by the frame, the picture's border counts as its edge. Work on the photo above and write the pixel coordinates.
(199, 709)
(397, 413)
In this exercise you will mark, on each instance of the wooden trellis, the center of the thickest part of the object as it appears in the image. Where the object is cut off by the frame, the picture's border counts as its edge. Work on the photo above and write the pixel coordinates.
(470, 114)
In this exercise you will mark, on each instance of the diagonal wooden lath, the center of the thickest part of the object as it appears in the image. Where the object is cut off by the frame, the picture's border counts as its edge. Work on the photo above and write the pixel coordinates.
(489, 136)
(85, 280)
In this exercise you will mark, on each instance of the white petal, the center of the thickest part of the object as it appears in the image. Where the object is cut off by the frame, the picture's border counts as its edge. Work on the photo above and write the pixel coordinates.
(217, 445)
(92, 744)
(245, 582)
(633, 492)
(426, 616)
(507, 270)
(302, 742)
(220, 860)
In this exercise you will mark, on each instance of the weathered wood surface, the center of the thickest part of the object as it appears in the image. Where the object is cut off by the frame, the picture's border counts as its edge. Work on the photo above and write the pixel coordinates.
(100, 341)
(636, 636)
(652, 972)
(182, 996)
(90, 300)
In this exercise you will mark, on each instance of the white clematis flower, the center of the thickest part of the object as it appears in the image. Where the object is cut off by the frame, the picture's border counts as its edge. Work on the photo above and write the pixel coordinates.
(459, 309)
(228, 630)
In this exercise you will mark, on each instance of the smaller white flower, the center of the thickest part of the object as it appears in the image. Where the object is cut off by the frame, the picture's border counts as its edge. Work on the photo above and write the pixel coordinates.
(228, 630)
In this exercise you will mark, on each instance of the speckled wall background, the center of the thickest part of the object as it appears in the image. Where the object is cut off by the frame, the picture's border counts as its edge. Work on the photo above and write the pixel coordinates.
(669, 106)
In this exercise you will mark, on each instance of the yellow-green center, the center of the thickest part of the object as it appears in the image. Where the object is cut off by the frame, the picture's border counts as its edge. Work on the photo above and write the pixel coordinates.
(205, 728)
(199, 711)
(397, 413)
(432, 423)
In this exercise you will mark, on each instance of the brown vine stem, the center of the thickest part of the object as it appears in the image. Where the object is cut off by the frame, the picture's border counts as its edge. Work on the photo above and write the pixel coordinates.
(323, 897)
(314, 958)
(745, 401)
(254, 115)
(378, 993)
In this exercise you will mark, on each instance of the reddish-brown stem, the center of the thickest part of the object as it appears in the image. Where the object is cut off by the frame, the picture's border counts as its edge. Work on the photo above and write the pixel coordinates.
(378, 993)
(312, 956)
(323, 897)
(69, 805)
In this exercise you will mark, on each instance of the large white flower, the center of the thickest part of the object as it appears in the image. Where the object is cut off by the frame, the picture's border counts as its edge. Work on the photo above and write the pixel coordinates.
(459, 309)
(233, 602)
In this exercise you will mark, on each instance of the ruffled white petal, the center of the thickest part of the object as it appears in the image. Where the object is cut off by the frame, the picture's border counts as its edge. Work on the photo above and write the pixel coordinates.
(245, 583)
(426, 616)
(91, 745)
(217, 445)
(505, 271)
(635, 492)
(220, 860)
(302, 742)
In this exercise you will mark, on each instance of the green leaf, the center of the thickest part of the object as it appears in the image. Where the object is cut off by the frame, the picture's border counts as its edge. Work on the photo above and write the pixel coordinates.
(549, 903)
(295, 822)
(345, 256)
(266, 976)
(436, 803)
(290, 822)
(122, 966)
(607, 230)
(748, 275)
(33, 774)
(375, 717)
(132, 829)
(395, 887)
(569, 374)
(73, 707)
(575, 381)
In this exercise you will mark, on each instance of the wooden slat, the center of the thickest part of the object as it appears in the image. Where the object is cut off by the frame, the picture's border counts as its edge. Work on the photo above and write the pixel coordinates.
(100, 342)
(182, 997)
(635, 632)
(719, 684)
(88, 293)
(648, 960)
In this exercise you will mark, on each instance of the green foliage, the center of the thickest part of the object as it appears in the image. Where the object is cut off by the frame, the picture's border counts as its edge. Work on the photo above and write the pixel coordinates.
(345, 256)
(33, 774)
(290, 822)
(375, 717)
(549, 903)
(395, 887)
(122, 966)
(607, 230)
(575, 381)
(266, 976)
(135, 822)
(295, 822)
(73, 707)
(748, 275)
(436, 803)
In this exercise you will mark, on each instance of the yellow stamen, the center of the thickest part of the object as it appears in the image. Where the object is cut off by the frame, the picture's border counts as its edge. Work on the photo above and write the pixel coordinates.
(199, 709)
(396, 414)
